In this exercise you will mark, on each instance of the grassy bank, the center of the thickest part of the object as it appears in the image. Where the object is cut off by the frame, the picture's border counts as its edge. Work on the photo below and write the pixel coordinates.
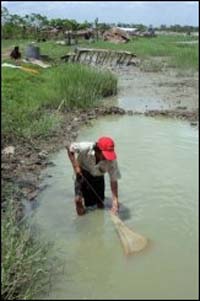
(25, 267)
(27, 98)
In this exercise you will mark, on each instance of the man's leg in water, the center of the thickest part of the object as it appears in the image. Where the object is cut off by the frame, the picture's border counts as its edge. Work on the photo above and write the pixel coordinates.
(79, 196)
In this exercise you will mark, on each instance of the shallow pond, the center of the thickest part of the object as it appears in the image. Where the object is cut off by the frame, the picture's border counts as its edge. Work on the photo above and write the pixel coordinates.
(158, 159)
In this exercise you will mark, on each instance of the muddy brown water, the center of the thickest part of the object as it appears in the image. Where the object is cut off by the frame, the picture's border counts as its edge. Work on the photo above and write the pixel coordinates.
(158, 158)
(158, 195)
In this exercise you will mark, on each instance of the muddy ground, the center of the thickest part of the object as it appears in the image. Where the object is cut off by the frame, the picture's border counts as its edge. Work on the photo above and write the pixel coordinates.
(167, 92)
(152, 85)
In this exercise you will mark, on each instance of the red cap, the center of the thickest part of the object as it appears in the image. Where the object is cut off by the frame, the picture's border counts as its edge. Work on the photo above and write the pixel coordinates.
(106, 145)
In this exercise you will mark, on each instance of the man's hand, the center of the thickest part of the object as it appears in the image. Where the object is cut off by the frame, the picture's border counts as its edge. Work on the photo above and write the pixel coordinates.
(115, 207)
(115, 203)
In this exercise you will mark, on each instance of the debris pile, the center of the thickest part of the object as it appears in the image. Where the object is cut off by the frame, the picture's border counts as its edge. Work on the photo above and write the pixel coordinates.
(116, 35)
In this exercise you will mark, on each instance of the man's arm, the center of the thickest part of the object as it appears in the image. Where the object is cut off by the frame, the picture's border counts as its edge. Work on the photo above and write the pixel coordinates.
(76, 148)
(115, 202)
(74, 161)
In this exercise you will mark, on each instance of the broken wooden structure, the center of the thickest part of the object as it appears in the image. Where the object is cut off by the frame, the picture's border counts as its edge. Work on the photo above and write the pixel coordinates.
(100, 57)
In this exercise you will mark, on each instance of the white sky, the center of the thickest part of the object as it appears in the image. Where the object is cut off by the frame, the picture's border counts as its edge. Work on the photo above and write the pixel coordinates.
(145, 12)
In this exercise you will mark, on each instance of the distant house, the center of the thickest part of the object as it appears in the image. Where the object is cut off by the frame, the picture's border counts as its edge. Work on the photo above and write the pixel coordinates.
(51, 32)
(86, 33)
(128, 29)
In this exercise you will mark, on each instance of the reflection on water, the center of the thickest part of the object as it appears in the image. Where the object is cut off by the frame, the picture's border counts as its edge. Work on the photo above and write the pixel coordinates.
(158, 195)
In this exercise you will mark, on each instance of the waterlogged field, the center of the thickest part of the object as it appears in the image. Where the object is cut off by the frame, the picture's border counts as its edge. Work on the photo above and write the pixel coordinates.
(158, 190)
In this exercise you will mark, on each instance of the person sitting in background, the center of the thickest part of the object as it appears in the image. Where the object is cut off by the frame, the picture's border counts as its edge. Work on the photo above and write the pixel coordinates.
(15, 54)
(90, 161)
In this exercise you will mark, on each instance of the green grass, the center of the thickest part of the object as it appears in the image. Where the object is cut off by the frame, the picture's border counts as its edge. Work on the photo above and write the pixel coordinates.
(49, 48)
(25, 267)
(79, 86)
(179, 56)
(12, 42)
(185, 57)
(27, 98)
